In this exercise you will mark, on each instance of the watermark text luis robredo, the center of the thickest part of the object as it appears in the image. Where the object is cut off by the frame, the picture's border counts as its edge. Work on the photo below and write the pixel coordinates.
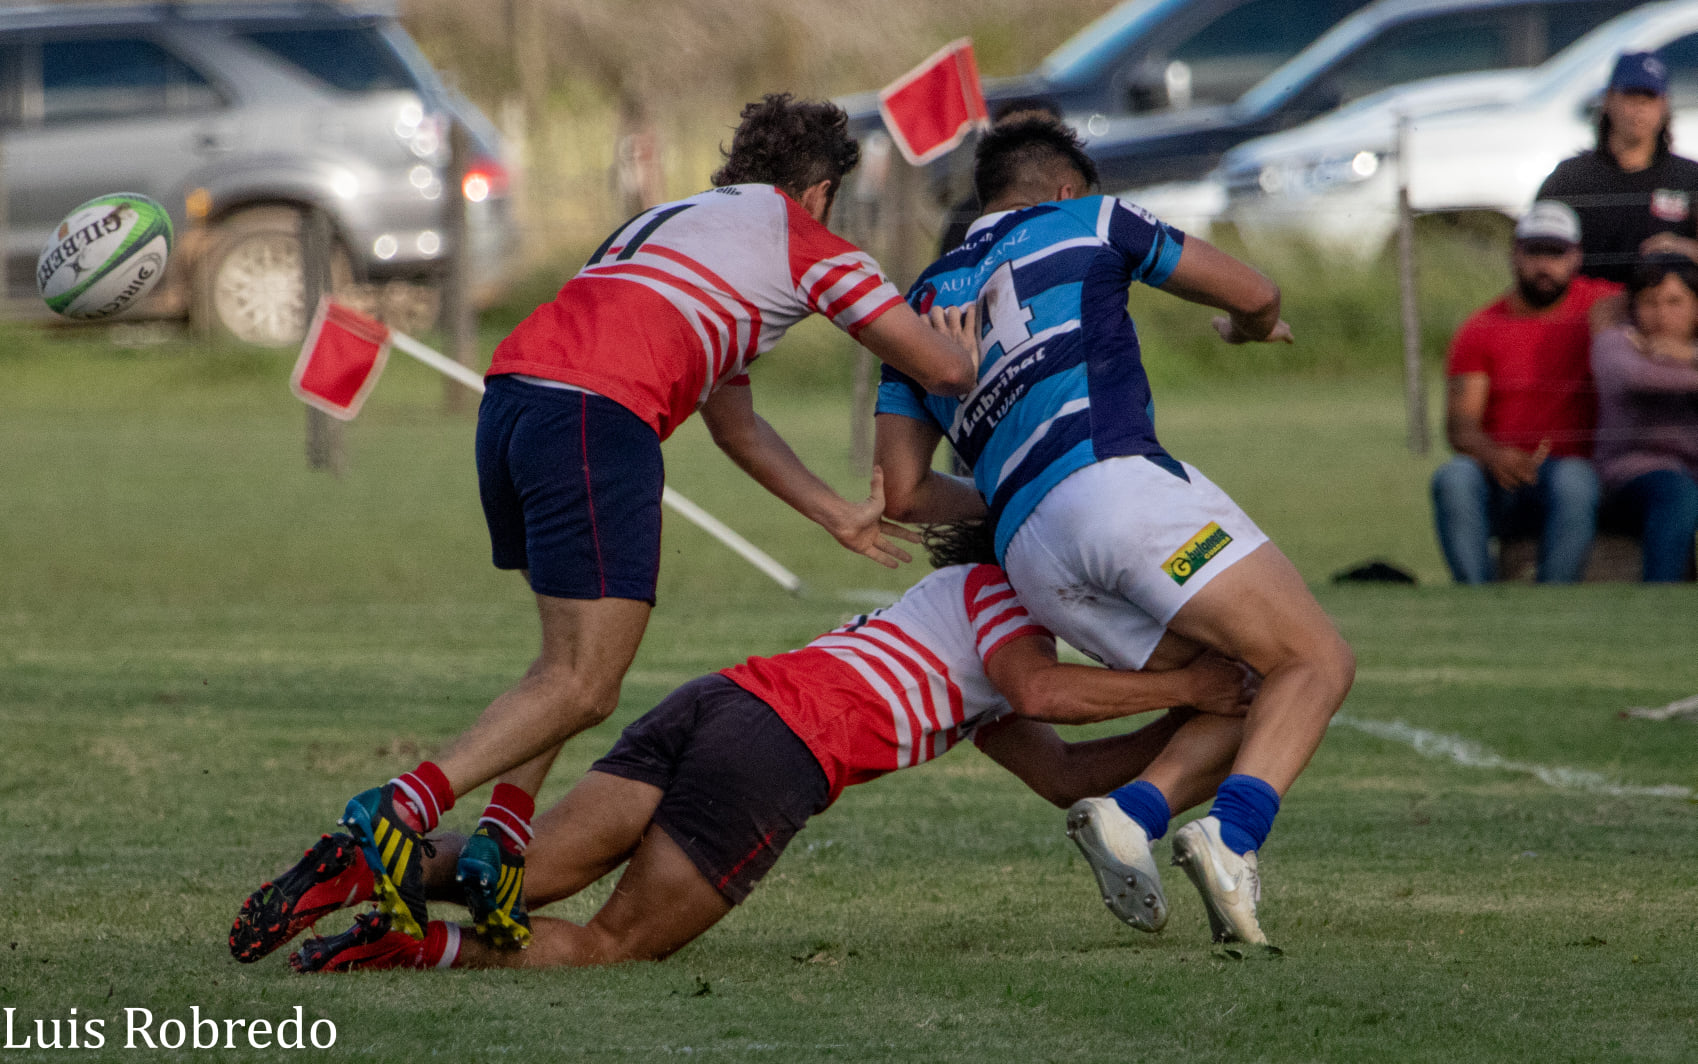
(139, 1028)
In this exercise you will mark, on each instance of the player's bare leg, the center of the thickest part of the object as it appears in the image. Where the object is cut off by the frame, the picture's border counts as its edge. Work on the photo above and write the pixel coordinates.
(583, 837)
(587, 647)
(1186, 771)
(661, 904)
(1260, 612)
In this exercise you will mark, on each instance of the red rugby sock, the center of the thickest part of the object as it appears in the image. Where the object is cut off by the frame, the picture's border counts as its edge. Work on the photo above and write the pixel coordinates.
(423, 795)
(508, 816)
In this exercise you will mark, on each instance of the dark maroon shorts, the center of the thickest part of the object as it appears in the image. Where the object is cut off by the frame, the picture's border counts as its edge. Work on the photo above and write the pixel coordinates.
(739, 784)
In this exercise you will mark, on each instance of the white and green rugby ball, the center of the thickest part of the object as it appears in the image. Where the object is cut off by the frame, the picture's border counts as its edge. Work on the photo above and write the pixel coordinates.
(105, 256)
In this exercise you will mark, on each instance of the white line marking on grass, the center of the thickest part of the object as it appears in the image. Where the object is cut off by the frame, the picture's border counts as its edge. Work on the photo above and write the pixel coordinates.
(1471, 754)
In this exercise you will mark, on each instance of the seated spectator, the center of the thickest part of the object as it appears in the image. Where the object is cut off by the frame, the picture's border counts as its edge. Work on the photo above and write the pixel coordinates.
(1634, 195)
(1647, 449)
(1520, 411)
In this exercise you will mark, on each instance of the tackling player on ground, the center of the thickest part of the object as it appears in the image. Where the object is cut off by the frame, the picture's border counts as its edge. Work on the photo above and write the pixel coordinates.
(663, 320)
(1114, 545)
(702, 794)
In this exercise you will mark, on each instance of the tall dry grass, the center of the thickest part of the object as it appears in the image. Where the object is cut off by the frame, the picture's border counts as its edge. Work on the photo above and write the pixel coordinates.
(566, 78)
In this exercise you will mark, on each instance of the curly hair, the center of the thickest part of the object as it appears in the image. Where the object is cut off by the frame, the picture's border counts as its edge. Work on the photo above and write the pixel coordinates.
(1024, 143)
(793, 144)
(961, 543)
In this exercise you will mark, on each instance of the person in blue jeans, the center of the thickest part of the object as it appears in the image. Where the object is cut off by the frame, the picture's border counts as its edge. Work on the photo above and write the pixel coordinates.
(1647, 374)
(1520, 411)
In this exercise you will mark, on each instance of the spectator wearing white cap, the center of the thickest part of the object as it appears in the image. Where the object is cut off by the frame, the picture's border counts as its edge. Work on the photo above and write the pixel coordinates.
(1520, 410)
(1634, 196)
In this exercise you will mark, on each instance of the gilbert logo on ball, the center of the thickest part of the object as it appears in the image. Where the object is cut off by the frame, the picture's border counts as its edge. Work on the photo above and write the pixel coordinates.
(105, 256)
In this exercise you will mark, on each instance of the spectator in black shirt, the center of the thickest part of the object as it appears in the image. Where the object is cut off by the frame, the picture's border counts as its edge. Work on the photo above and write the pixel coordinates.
(1634, 196)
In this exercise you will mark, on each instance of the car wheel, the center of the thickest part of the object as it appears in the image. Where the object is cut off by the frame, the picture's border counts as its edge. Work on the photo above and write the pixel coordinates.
(249, 285)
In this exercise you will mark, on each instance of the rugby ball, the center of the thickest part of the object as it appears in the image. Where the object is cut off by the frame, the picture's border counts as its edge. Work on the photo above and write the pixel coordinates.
(104, 257)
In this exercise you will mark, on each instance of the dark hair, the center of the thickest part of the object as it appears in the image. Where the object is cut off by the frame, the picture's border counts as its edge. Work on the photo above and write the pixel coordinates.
(793, 144)
(1020, 105)
(962, 543)
(1012, 149)
(1665, 139)
(1650, 271)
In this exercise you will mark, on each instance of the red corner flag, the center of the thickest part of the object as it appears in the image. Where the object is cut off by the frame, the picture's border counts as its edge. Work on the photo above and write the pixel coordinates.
(930, 109)
(340, 361)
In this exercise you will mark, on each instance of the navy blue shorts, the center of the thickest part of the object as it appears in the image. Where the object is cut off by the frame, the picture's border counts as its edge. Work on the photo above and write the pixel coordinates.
(570, 483)
(739, 784)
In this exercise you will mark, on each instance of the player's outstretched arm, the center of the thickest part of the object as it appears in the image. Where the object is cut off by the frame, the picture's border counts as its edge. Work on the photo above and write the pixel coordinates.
(933, 358)
(761, 452)
(1062, 772)
(1039, 687)
(913, 491)
(1207, 275)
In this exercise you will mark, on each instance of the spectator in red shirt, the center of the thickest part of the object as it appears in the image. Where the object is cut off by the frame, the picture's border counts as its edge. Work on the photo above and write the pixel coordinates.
(1520, 411)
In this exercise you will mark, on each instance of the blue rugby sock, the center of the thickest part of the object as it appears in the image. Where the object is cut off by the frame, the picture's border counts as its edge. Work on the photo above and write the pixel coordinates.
(1245, 807)
(1144, 803)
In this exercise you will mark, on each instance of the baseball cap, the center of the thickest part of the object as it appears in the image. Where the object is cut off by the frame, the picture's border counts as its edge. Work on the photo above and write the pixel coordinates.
(1640, 72)
(1549, 221)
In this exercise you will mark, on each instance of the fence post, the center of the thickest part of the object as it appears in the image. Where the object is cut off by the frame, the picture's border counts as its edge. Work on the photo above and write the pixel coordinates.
(324, 434)
(1414, 383)
(459, 315)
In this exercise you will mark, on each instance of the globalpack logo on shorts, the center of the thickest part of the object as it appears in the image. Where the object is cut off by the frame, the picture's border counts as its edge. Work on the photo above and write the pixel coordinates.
(1196, 554)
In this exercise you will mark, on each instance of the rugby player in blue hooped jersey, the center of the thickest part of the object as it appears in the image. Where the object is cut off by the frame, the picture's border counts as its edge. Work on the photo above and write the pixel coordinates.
(1113, 544)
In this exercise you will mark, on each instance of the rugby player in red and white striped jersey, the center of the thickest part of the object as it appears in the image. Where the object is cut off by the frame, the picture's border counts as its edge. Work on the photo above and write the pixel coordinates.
(703, 793)
(661, 322)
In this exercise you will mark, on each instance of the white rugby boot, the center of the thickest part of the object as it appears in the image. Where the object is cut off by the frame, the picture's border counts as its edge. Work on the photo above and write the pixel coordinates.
(1118, 852)
(1230, 885)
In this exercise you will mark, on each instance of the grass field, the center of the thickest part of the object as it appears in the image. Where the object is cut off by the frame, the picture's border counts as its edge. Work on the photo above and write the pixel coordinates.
(204, 648)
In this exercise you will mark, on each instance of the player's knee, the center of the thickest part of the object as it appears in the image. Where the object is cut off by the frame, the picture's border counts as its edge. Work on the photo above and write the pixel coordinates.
(1335, 662)
(577, 703)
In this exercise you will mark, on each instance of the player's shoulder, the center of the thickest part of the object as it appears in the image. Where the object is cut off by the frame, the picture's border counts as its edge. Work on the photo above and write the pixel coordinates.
(983, 585)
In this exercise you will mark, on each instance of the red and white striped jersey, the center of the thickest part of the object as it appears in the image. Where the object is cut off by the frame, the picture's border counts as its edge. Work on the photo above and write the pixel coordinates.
(899, 686)
(684, 296)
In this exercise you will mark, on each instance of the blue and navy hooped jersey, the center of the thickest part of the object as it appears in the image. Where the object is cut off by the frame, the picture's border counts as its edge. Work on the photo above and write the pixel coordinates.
(1061, 381)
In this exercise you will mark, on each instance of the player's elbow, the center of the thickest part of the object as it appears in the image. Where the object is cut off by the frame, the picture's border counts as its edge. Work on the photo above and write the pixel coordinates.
(1260, 301)
(955, 379)
(902, 502)
(1037, 697)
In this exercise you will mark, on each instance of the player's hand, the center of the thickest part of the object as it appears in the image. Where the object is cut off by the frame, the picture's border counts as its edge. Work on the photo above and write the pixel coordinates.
(864, 530)
(1229, 331)
(961, 326)
(1221, 685)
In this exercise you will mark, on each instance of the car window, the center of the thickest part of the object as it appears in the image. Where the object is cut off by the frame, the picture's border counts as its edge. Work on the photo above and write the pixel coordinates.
(1567, 23)
(1427, 48)
(1246, 44)
(1681, 55)
(117, 77)
(353, 59)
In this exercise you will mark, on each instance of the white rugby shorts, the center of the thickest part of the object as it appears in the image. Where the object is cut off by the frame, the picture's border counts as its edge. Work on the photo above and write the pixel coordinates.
(1113, 552)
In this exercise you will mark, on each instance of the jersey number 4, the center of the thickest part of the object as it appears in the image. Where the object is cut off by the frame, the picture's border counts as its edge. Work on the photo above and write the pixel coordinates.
(1007, 322)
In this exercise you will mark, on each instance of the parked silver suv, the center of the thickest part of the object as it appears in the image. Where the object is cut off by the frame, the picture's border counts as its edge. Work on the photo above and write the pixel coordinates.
(236, 117)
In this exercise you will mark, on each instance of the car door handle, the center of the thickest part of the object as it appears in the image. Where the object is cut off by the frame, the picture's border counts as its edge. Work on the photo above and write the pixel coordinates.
(210, 141)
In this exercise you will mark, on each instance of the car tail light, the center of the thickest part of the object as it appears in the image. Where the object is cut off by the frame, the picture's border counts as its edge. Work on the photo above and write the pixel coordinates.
(484, 178)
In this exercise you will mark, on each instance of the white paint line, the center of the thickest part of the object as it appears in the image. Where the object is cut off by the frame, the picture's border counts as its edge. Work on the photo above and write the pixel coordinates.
(1471, 754)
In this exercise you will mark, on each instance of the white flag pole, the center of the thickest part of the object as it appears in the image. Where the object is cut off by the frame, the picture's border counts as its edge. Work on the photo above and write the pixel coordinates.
(708, 523)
